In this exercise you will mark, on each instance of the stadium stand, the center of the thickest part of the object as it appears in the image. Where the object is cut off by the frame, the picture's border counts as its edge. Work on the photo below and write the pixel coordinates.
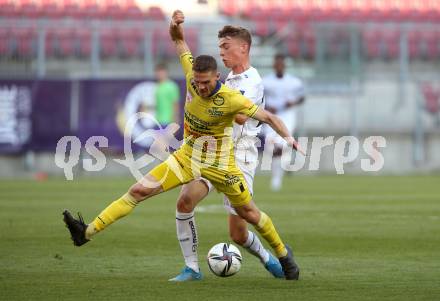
(122, 32)
(269, 17)
(69, 33)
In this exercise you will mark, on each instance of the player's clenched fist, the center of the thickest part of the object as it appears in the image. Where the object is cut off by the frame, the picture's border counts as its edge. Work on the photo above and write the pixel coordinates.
(178, 17)
(176, 30)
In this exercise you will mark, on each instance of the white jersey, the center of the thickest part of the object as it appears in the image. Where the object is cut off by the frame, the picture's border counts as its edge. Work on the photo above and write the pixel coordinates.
(250, 84)
(279, 91)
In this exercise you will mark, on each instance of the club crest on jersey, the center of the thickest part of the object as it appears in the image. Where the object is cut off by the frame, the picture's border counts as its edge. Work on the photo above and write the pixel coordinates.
(218, 100)
(214, 112)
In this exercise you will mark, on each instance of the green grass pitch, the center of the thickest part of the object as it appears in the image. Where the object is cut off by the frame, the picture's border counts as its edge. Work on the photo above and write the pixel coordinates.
(355, 238)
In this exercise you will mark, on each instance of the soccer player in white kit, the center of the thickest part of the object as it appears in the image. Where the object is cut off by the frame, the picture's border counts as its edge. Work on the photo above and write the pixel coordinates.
(234, 44)
(283, 93)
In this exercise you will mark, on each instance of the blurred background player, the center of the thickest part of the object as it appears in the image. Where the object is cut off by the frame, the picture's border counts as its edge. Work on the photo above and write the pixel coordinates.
(167, 97)
(283, 93)
(234, 44)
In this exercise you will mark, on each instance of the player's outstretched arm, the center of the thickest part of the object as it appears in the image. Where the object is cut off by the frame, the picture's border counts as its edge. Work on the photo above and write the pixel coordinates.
(176, 32)
(278, 126)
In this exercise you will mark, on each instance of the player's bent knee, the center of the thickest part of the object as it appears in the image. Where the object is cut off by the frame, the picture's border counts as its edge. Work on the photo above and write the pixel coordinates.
(184, 204)
(142, 192)
(238, 237)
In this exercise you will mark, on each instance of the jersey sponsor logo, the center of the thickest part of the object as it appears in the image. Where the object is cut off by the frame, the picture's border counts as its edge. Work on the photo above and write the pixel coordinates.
(231, 180)
(215, 112)
(218, 100)
(195, 122)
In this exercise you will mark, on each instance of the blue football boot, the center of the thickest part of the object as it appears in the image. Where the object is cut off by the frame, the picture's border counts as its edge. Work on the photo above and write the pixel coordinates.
(187, 274)
(274, 267)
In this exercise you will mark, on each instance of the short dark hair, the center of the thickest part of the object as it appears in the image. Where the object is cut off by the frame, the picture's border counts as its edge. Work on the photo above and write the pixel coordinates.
(236, 32)
(279, 56)
(205, 63)
(161, 66)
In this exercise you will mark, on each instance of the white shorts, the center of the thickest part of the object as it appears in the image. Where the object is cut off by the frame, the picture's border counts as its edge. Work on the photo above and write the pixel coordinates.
(248, 170)
(289, 119)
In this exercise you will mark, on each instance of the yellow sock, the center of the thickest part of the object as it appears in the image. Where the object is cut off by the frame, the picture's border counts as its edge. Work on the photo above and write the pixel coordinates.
(267, 230)
(112, 213)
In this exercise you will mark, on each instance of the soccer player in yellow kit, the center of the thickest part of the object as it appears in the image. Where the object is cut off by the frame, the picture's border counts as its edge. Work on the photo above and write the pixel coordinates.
(207, 151)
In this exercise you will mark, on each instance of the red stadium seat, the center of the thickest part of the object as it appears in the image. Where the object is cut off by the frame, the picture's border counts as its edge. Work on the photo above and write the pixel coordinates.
(84, 39)
(392, 43)
(29, 10)
(50, 9)
(72, 9)
(113, 11)
(23, 38)
(4, 41)
(8, 9)
(131, 41)
(155, 13)
(294, 49)
(228, 7)
(108, 42)
(66, 42)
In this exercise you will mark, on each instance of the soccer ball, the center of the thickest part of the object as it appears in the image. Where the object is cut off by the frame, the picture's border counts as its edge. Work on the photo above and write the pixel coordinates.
(224, 259)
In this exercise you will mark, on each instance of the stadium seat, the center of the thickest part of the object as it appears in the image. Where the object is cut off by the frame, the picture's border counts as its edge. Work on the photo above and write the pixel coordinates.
(431, 96)
(8, 9)
(29, 10)
(83, 37)
(155, 13)
(113, 11)
(72, 9)
(131, 41)
(23, 38)
(4, 41)
(66, 42)
(50, 9)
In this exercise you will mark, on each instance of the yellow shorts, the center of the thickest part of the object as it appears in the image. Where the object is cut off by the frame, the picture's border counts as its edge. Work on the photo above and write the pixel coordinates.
(179, 169)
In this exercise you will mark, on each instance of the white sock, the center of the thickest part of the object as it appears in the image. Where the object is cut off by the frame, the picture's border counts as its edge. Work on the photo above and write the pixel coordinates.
(277, 174)
(188, 240)
(255, 247)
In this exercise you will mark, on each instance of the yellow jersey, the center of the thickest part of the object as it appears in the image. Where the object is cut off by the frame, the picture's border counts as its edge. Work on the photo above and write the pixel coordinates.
(208, 121)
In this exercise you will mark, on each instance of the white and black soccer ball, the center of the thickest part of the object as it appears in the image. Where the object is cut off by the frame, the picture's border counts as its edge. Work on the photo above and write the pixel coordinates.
(224, 259)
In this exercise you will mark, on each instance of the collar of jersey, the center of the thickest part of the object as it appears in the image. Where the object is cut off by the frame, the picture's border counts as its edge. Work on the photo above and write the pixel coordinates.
(217, 88)
(239, 75)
